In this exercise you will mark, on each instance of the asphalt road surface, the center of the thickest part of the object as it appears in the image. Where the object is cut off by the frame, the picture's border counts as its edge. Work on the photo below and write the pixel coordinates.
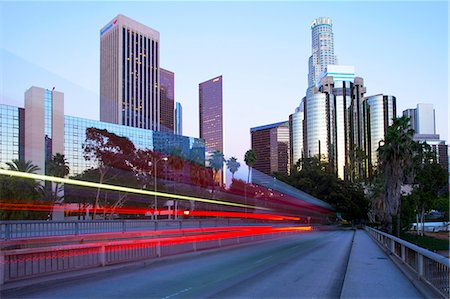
(308, 265)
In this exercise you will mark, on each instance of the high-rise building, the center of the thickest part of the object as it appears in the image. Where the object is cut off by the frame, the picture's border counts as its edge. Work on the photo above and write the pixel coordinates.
(322, 49)
(411, 114)
(211, 113)
(271, 144)
(12, 130)
(129, 74)
(379, 113)
(425, 121)
(44, 125)
(46, 131)
(422, 119)
(296, 134)
(334, 120)
(167, 100)
(178, 119)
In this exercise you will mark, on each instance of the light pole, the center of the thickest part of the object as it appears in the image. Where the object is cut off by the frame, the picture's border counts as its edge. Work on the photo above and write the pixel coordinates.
(156, 185)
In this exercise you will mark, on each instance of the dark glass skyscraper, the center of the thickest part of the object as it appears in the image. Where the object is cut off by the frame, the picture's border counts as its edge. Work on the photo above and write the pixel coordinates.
(167, 100)
(211, 113)
(271, 144)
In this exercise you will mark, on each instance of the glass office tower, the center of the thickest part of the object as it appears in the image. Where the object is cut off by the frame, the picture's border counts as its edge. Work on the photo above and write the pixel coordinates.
(380, 112)
(11, 134)
(334, 121)
(296, 134)
(211, 113)
(271, 144)
(167, 100)
(129, 74)
(178, 119)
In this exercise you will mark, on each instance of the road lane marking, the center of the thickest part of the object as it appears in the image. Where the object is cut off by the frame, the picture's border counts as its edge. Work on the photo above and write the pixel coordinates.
(259, 261)
(177, 293)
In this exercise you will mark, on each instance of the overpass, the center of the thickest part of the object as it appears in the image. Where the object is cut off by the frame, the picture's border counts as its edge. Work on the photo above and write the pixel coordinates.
(292, 264)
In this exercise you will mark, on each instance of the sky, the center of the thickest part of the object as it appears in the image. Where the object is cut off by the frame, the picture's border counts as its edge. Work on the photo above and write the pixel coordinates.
(260, 48)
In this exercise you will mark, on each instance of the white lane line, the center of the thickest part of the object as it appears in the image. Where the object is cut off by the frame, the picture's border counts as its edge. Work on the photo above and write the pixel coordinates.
(177, 293)
(259, 261)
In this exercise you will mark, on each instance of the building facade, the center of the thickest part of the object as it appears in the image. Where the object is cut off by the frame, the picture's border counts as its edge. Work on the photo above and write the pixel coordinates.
(44, 125)
(211, 113)
(45, 128)
(296, 134)
(178, 119)
(167, 91)
(129, 74)
(12, 134)
(271, 144)
(380, 111)
(322, 49)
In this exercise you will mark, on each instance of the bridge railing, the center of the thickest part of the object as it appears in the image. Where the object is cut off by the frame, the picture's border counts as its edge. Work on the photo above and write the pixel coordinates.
(10, 230)
(430, 267)
(26, 263)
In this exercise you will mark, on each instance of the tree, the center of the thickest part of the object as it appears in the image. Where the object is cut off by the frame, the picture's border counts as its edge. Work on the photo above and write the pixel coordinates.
(59, 167)
(250, 159)
(23, 166)
(216, 163)
(16, 190)
(395, 157)
(430, 182)
(233, 166)
(109, 151)
(314, 176)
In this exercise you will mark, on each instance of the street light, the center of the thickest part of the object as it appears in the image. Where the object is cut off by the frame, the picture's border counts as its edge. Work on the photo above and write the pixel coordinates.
(156, 185)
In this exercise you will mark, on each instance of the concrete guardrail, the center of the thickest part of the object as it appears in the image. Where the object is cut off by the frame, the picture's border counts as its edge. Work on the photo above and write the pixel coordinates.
(430, 267)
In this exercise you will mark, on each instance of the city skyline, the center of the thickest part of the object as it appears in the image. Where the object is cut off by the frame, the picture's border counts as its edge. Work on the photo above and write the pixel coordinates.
(243, 90)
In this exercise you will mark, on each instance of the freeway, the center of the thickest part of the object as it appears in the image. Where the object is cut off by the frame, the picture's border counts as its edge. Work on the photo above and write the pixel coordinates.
(304, 265)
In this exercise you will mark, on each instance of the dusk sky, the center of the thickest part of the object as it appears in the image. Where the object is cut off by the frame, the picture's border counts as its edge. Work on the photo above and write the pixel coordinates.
(260, 48)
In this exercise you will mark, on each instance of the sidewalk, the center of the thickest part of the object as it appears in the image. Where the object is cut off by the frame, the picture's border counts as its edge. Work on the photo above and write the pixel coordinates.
(371, 274)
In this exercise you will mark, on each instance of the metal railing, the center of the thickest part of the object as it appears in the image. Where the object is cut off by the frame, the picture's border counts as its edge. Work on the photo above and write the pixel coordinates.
(430, 267)
(19, 264)
(36, 228)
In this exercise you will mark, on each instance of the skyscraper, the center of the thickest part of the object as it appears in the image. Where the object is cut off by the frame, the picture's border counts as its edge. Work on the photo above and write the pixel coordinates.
(296, 134)
(380, 111)
(167, 100)
(334, 120)
(425, 121)
(211, 114)
(271, 144)
(322, 49)
(178, 119)
(129, 74)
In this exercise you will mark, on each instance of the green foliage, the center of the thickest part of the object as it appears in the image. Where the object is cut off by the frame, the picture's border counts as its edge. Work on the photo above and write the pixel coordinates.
(15, 190)
(395, 159)
(427, 242)
(313, 175)
(233, 165)
(250, 159)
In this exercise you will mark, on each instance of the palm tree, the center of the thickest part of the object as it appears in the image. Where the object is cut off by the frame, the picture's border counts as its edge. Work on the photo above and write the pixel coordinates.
(23, 166)
(216, 163)
(395, 157)
(59, 167)
(250, 160)
(233, 166)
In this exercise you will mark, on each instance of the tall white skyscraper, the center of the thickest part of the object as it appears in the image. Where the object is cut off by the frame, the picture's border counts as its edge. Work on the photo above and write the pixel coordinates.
(425, 121)
(129, 74)
(322, 49)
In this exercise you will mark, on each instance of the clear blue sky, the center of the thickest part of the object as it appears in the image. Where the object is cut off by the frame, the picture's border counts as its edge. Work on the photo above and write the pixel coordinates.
(260, 48)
